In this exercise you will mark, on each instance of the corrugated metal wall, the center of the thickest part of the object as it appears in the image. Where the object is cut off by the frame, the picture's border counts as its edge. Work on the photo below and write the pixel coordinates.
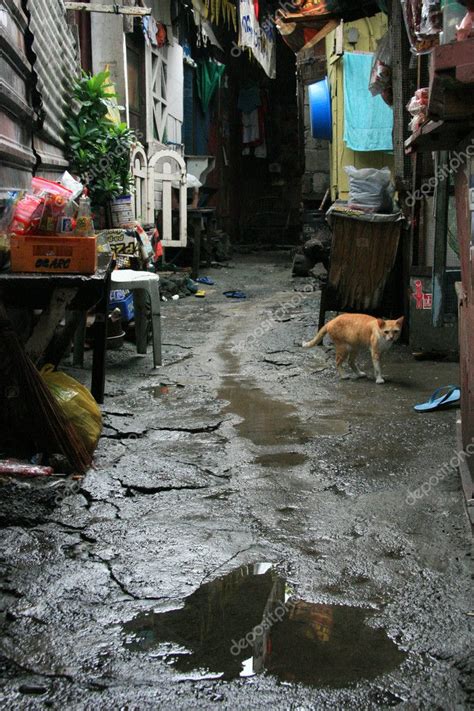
(17, 159)
(55, 48)
(38, 57)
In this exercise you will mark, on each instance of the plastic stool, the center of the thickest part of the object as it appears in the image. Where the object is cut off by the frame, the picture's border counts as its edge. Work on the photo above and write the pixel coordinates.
(139, 283)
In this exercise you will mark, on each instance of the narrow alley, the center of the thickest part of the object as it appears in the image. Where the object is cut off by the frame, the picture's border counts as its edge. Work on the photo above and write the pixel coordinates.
(245, 450)
(236, 355)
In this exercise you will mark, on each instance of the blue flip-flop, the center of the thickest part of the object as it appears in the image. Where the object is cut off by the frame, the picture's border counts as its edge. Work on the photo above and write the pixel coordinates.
(440, 399)
(235, 294)
(205, 280)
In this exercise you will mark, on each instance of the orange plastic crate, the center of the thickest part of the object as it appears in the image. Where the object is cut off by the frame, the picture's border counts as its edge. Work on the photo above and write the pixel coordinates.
(55, 254)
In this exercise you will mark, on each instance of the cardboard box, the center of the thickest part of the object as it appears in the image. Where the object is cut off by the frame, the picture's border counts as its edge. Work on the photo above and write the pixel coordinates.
(55, 254)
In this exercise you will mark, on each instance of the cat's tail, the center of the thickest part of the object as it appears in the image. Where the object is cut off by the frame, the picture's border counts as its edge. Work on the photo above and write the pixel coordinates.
(317, 339)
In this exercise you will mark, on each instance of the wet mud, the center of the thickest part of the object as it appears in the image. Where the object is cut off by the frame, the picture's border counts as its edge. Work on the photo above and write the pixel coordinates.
(249, 622)
(133, 588)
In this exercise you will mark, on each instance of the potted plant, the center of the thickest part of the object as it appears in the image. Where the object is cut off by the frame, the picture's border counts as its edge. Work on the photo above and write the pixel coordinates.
(98, 148)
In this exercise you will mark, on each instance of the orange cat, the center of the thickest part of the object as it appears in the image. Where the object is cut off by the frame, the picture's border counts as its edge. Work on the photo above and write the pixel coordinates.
(351, 332)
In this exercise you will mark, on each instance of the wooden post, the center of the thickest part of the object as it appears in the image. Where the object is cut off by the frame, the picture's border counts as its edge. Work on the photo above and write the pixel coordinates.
(441, 238)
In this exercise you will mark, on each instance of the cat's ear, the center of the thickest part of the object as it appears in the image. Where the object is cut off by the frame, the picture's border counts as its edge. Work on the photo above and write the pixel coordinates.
(401, 321)
(381, 323)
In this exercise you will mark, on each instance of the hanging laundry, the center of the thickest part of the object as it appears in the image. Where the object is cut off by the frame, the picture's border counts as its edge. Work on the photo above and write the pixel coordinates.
(217, 9)
(209, 75)
(368, 121)
(161, 35)
(249, 98)
(250, 128)
(150, 30)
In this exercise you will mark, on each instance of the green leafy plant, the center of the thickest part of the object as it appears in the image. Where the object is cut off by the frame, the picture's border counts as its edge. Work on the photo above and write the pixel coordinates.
(98, 149)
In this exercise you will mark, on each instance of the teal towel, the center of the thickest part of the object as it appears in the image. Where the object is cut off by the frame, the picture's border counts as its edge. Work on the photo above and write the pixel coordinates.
(368, 121)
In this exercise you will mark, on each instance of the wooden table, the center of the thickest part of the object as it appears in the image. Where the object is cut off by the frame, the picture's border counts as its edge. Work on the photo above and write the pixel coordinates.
(56, 293)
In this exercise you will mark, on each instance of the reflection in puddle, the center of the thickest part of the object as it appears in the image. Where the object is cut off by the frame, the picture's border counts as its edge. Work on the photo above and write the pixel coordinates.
(281, 460)
(247, 623)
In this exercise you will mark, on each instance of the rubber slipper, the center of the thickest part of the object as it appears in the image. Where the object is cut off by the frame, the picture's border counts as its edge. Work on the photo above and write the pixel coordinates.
(205, 280)
(235, 294)
(192, 286)
(200, 294)
(440, 399)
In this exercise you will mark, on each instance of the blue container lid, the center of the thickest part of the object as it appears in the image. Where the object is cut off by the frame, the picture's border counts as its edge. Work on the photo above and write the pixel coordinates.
(320, 110)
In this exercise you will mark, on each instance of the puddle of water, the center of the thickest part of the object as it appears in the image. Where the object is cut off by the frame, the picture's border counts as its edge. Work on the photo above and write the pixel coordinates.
(265, 421)
(281, 460)
(247, 623)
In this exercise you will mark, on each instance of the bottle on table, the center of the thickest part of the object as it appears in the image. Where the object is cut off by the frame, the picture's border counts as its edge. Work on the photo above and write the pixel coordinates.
(84, 221)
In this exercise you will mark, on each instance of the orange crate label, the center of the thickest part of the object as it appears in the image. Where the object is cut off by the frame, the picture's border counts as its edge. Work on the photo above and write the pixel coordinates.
(54, 254)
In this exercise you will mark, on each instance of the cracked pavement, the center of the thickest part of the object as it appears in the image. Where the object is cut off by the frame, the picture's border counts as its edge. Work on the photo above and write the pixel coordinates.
(242, 448)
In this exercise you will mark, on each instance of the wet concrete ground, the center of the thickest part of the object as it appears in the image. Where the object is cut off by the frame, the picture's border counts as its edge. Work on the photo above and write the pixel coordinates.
(243, 451)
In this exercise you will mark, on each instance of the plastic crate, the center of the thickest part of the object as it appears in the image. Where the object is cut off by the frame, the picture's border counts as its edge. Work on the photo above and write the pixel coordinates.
(55, 254)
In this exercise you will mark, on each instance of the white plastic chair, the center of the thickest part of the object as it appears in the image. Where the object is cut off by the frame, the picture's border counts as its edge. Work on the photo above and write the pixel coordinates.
(141, 283)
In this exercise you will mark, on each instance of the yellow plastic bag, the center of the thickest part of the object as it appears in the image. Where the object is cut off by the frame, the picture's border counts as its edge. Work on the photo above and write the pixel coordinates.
(77, 404)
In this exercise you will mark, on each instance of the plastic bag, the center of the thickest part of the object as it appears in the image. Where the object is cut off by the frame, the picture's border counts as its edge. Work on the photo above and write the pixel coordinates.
(412, 14)
(371, 190)
(27, 215)
(431, 21)
(381, 75)
(77, 404)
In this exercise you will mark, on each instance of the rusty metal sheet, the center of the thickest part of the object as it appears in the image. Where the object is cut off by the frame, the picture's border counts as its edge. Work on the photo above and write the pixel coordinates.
(16, 113)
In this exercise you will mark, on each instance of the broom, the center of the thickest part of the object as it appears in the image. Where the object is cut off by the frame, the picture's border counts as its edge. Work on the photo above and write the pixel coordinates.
(49, 428)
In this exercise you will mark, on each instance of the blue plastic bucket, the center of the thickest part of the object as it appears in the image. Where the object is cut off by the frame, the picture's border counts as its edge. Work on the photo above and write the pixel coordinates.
(320, 110)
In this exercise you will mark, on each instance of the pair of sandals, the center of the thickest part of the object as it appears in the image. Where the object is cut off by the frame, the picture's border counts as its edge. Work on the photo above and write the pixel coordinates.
(442, 398)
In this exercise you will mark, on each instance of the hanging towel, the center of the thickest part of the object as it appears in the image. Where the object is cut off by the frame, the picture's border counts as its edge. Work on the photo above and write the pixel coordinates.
(368, 121)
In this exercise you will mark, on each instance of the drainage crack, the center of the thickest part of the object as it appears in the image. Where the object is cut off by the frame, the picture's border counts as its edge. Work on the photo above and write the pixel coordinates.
(131, 489)
(29, 669)
(190, 430)
(120, 436)
(90, 499)
(117, 580)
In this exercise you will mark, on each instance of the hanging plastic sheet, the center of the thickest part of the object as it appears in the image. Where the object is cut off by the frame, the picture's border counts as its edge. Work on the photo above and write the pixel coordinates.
(258, 37)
